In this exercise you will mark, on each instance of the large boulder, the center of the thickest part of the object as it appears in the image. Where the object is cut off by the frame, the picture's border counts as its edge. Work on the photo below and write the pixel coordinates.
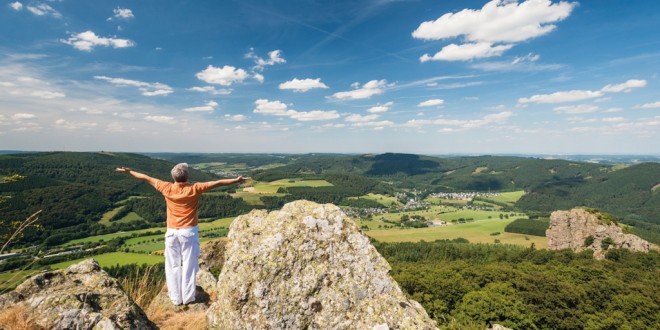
(80, 297)
(307, 266)
(579, 230)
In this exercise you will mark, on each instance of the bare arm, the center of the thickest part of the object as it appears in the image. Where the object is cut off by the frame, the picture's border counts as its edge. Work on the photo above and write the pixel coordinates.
(226, 182)
(134, 174)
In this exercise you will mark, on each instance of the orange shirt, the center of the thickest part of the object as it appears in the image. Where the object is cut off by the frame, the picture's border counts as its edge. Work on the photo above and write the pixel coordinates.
(182, 199)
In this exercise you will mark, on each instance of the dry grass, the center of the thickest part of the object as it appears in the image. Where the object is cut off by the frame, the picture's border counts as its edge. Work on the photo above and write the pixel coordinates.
(143, 286)
(17, 318)
(171, 320)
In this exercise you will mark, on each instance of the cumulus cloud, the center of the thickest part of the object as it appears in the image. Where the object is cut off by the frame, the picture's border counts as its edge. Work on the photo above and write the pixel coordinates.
(466, 52)
(16, 5)
(462, 124)
(258, 77)
(235, 117)
(574, 109)
(277, 108)
(147, 89)
(371, 88)
(613, 119)
(625, 87)
(161, 119)
(122, 13)
(560, 97)
(580, 95)
(356, 118)
(208, 107)
(503, 22)
(22, 116)
(225, 76)
(86, 41)
(211, 90)
(381, 108)
(274, 57)
(42, 9)
(653, 105)
(62, 123)
(47, 94)
(302, 85)
(431, 103)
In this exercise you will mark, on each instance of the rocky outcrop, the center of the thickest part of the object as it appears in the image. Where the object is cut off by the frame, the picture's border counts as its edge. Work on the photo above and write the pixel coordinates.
(579, 230)
(80, 297)
(307, 267)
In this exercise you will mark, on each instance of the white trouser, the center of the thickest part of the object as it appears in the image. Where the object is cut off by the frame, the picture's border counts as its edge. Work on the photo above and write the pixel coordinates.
(181, 254)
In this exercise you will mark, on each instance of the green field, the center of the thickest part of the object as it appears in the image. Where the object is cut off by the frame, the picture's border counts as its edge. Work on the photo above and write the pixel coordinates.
(272, 187)
(445, 213)
(10, 280)
(475, 232)
(382, 199)
(224, 222)
(509, 197)
(105, 219)
(115, 258)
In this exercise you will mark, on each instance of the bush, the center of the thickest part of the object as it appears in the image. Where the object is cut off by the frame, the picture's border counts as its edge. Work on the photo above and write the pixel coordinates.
(588, 241)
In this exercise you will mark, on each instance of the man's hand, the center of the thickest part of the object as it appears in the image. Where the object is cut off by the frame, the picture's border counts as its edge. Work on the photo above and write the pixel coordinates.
(122, 169)
(242, 178)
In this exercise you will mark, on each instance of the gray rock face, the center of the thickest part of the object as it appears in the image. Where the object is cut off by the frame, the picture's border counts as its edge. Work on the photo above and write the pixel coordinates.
(570, 230)
(307, 267)
(80, 297)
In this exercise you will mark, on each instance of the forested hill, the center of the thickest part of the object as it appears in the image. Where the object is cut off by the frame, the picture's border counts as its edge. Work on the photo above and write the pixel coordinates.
(551, 184)
(72, 189)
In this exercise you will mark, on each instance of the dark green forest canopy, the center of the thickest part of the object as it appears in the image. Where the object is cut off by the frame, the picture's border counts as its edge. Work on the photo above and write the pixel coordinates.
(74, 190)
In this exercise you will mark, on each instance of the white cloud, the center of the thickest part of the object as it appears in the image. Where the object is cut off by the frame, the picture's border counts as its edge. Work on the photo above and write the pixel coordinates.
(259, 77)
(122, 13)
(161, 119)
(302, 85)
(225, 76)
(211, 90)
(560, 97)
(209, 107)
(498, 21)
(42, 9)
(613, 119)
(625, 87)
(313, 115)
(87, 40)
(381, 108)
(333, 125)
(612, 110)
(147, 89)
(277, 108)
(431, 103)
(274, 57)
(466, 52)
(371, 88)
(16, 5)
(653, 105)
(235, 117)
(574, 109)
(527, 63)
(462, 124)
(356, 118)
(47, 94)
(21, 116)
(376, 124)
(61, 123)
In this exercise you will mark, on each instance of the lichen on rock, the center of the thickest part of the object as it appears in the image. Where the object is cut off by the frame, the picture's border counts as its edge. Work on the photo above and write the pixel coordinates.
(80, 297)
(579, 230)
(307, 266)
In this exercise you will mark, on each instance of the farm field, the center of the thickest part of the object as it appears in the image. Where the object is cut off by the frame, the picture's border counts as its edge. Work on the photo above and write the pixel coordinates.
(382, 199)
(475, 232)
(272, 187)
(9, 280)
(105, 219)
(115, 258)
(224, 222)
(446, 213)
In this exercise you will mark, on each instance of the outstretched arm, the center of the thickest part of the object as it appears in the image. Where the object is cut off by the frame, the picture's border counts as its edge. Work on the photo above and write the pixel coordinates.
(226, 182)
(134, 174)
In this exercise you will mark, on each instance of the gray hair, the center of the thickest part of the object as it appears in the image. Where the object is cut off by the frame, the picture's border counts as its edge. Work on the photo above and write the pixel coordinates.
(180, 172)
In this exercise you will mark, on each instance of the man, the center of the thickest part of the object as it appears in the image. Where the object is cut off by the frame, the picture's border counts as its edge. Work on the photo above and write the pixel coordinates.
(182, 236)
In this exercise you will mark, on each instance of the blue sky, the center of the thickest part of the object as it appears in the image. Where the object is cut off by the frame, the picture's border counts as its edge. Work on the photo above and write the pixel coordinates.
(429, 77)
